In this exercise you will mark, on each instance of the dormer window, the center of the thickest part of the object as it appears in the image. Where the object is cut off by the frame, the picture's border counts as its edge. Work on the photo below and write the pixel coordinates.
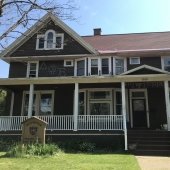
(50, 41)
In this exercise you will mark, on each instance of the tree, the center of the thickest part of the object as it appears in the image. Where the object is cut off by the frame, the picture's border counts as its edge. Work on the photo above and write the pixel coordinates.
(18, 15)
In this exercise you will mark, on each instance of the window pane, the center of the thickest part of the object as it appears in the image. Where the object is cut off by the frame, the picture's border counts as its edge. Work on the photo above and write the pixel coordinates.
(167, 63)
(46, 104)
(50, 40)
(100, 95)
(118, 98)
(81, 68)
(135, 60)
(138, 94)
(105, 66)
(94, 62)
(33, 70)
(119, 63)
(58, 42)
(119, 109)
(94, 67)
(41, 43)
(81, 103)
(99, 108)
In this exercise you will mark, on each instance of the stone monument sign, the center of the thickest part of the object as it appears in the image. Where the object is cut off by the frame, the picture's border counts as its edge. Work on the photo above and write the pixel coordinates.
(33, 130)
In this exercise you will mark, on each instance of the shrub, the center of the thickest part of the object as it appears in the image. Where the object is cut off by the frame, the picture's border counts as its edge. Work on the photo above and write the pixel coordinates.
(33, 150)
(87, 147)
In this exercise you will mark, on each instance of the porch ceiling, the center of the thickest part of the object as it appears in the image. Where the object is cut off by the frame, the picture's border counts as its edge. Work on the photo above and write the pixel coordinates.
(88, 80)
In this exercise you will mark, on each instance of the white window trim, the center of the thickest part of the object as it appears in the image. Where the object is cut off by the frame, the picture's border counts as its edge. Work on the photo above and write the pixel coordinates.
(114, 64)
(131, 63)
(28, 68)
(110, 101)
(147, 105)
(162, 62)
(110, 70)
(65, 63)
(37, 42)
(54, 40)
(52, 92)
(85, 66)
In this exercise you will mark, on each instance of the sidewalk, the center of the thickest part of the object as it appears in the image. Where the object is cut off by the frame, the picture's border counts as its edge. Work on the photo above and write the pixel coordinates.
(153, 162)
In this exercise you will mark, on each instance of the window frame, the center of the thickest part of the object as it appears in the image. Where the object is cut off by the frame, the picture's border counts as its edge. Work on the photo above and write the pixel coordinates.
(163, 62)
(28, 68)
(54, 40)
(65, 63)
(114, 64)
(131, 58)
(85, 66)
(37, 100)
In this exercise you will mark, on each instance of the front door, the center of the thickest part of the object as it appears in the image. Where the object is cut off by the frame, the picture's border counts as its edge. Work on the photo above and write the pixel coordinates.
(139, 117)
(139, 112)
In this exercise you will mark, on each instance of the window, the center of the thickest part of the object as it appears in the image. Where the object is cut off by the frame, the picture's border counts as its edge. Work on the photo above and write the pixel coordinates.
(119, 65)
(105, 66)
(80, 67)
(42, 103)
(40, 42)
(134, 60)
(68, 63)
(166, 63)
(82, 103)
(50, 40)
(99, 66)
(100, 102)
(32, 69)
(118, 100)
(94, 66)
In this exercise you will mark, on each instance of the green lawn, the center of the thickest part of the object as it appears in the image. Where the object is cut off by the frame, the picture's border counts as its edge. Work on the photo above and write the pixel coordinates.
(71, 162)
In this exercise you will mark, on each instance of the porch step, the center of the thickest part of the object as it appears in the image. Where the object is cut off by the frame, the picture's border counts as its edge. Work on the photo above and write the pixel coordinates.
(149, 142)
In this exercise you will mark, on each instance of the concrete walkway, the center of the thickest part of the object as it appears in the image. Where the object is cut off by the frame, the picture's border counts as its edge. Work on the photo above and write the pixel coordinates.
(153, 162)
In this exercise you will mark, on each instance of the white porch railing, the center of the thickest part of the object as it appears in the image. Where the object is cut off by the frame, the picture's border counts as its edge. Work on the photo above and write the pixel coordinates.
(66, 122)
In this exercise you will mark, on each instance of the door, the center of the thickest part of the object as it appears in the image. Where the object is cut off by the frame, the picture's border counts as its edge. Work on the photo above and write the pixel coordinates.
(139, 113)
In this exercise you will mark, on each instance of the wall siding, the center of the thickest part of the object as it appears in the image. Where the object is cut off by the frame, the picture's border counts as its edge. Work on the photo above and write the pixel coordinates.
(70, 45)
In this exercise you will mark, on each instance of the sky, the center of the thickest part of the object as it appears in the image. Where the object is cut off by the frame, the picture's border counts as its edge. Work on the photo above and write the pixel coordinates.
(116, 17)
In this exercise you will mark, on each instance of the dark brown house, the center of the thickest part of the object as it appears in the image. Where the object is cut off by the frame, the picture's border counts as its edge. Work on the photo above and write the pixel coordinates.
(97, 84)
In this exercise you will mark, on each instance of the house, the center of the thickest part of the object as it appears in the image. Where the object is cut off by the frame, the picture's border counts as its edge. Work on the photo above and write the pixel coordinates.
(94, 84)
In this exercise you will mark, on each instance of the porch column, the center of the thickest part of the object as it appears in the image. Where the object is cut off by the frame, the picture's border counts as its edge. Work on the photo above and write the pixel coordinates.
(30, 104)
(167, 101)
(12, 103)
(124, 112)
(76, 105)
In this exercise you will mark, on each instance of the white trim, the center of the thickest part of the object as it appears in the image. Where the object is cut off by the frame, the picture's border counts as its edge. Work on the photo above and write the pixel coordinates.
(146, 103)
(131, 58)
(37, 41)
(65, 63)
(31, 97)
(28, 68)
(76, 105)
(167, 101)
(12, 103)
(38, 93)
(145, 67)
(85, 66)
(114, 64)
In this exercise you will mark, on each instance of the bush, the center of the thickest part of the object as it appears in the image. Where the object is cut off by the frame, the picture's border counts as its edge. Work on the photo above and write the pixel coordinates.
(87, 147)
(33, 150)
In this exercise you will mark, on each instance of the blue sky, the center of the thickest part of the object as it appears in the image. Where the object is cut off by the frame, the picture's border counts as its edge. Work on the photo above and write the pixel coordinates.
(117, 17)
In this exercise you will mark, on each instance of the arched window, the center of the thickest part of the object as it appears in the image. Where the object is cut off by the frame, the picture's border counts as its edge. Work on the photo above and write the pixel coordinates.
(50, 39)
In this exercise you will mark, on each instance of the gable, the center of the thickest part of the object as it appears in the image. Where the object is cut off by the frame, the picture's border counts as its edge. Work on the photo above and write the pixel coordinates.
(145, 69)
(26, 44)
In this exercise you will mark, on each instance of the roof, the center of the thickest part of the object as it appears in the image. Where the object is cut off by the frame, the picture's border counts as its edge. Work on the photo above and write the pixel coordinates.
(37, 26)
(152, 41)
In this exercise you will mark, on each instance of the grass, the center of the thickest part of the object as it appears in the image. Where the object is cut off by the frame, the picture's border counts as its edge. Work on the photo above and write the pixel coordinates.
(78, 161)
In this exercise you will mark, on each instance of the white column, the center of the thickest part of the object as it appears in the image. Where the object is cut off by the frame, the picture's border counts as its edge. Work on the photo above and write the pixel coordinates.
(124, 112)
(30, 104)
(12, 103)
(167, 101)
(76, 105)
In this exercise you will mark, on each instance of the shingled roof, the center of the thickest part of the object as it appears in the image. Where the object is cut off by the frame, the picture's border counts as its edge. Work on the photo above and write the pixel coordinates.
(158, 41)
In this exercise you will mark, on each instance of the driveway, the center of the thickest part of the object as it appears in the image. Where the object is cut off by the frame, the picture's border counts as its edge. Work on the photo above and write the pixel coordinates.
(153, 162)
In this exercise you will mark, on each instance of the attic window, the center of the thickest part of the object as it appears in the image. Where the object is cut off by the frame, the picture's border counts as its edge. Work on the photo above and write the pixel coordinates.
(50, 41)
(134, 60)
